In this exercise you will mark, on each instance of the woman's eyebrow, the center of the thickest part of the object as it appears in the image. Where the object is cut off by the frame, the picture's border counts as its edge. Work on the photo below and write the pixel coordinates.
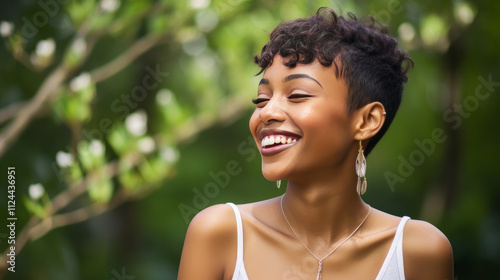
(300, 76)
(264, 82)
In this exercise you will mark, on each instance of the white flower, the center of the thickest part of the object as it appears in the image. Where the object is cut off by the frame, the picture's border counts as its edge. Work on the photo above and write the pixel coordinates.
(109, 6)
(96, 147)
(199, 4)
(136, 123)
(80, 82)
(169, 154)
(406, 31)
(207, 20)
(432, 29)
(6, 28)
(64, 159)
(45, 48)
(146, 145)
(164, 97)
(36, 191)
(195, 45)
(464, 13)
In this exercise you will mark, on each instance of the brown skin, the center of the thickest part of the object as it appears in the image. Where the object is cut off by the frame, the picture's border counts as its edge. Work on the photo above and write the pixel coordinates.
(321, 201)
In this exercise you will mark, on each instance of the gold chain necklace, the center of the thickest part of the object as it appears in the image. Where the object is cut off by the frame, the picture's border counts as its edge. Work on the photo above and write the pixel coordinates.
(320, 264)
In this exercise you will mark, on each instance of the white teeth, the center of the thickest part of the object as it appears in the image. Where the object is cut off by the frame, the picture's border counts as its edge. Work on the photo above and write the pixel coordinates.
(278, 139)
(265, 142)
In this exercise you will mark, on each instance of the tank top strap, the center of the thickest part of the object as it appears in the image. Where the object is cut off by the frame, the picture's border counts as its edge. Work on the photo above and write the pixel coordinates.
(401, 227)
(399, 249)
(393, 265)
(239, 229)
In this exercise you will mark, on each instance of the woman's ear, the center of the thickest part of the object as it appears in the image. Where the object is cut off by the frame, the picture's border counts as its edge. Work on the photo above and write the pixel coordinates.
(369, 119)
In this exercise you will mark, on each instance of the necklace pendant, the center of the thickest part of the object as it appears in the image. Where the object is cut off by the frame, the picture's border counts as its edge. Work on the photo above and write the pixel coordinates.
(320, 267)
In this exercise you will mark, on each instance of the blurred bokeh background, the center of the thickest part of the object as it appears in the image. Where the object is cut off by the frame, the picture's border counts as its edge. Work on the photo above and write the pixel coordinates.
(123, 119)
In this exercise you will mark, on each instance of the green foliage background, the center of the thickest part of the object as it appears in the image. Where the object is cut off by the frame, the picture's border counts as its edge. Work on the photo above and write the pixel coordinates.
(206, 52)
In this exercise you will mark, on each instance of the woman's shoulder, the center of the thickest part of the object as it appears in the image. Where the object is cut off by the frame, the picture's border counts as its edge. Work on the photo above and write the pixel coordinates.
(425, 241)
(424, 235)
(220, 220)
(427, 252)
(210, 244)
(214, 222)
(420, 237)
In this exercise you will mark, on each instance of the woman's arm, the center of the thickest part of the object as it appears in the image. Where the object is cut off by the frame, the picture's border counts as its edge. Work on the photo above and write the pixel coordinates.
(209, 245)
(427, 253)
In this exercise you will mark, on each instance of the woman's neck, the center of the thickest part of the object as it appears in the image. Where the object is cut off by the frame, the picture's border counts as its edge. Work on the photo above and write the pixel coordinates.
(323, 214)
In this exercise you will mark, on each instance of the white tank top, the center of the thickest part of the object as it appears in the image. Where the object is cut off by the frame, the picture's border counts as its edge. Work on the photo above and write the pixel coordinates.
(392, 268)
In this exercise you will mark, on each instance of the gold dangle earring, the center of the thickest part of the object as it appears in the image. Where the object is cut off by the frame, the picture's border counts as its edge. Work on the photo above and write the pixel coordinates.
(278, 184)
(361, 170)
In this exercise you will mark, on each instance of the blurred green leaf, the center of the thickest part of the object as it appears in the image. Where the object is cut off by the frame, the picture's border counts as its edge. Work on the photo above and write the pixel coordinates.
(130, 179)
(35, 207)
(80, 10)
(91, 154)
(120, 140)
(100, 187)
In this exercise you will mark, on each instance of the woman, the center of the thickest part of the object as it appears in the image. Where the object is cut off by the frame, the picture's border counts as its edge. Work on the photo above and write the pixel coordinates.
(330, 89)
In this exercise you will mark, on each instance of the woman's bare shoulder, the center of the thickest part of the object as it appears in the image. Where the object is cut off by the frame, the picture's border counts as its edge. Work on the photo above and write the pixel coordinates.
(215, 222)
(427, 252)
(210, 244)
(219, 221)
(421, 238)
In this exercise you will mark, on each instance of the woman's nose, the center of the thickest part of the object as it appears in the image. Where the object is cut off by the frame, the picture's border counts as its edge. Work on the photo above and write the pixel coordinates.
(272, 111)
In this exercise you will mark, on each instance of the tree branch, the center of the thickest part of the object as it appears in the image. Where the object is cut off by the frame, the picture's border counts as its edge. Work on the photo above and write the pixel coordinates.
(81, 214)
(58, 203)
(54, 81)
(122, 61)
(11, 110)
(50, 85)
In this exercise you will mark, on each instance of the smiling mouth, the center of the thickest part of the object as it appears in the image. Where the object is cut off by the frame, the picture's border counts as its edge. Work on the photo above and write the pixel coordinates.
(277, 140)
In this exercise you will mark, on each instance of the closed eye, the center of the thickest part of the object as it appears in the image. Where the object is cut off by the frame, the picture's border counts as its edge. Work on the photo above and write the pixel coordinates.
(259, 100)
(297, 96)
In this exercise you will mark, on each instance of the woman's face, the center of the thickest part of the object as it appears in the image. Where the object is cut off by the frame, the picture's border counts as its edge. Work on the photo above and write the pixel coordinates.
(301, 123)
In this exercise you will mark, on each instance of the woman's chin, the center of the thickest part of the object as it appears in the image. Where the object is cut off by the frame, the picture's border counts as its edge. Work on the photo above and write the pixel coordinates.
(272, 175)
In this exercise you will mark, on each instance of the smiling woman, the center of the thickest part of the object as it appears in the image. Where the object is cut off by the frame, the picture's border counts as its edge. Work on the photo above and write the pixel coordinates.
(330, 87)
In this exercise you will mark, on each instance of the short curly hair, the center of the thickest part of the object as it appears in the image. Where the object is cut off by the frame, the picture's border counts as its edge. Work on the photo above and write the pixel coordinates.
(361, 51)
